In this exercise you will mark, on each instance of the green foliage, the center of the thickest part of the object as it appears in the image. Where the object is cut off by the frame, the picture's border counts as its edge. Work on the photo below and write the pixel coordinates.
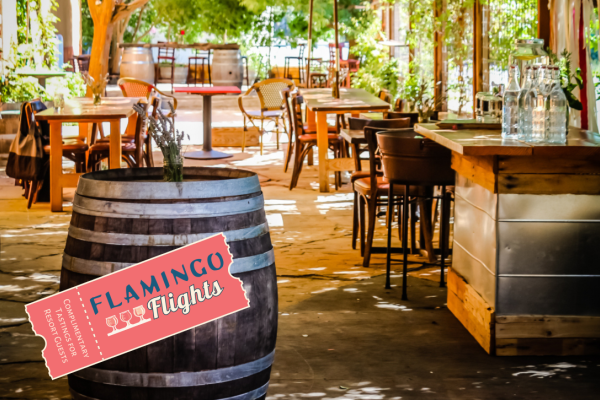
(43, 45)
(567, 78)
(87, 27)
(377, 70)
(15, 88)
(512, 19)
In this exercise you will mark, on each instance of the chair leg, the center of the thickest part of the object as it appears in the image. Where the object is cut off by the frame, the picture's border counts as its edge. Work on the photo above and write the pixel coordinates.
(442, 236)
(390, 213)
(298, 162)
(405, 242)
(32, 188)
(355, 220)
(361, 223)
(372, 217)
(413, 230)
(426, 228)
(262, 131)
(244, 135)
(288, 157)
(311, 157)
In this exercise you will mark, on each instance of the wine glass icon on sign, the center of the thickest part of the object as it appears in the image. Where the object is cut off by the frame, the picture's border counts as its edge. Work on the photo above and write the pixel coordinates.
(125, 317)
(112, 321)
(139, 312)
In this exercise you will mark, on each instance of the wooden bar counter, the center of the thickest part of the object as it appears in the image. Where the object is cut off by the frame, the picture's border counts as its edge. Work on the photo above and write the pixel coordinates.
(525, 277)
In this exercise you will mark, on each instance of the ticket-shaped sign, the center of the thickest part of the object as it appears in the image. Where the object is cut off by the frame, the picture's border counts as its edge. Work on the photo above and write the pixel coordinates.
(137, 306)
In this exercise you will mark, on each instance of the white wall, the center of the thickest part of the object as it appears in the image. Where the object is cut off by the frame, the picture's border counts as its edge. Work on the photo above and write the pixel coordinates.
(9, 27)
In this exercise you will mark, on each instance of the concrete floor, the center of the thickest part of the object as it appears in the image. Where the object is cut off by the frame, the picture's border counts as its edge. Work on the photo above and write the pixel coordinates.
(341, 335)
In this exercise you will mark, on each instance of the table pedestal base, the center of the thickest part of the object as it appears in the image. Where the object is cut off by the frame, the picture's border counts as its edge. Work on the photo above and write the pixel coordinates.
(206, 155)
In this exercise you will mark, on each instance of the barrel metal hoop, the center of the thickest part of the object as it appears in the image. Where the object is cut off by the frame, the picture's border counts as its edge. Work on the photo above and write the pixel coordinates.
(100, 268)
(254, 394)
(104, 208)
(179, 379)
(127, 239)
(136, 190)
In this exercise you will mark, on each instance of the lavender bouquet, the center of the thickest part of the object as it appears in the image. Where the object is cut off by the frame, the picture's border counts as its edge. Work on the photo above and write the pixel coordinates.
(162, 129)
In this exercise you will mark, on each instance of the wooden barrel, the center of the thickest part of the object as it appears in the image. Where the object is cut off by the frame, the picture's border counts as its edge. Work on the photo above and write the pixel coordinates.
(125, 216)
(137, 62)
(227, 68)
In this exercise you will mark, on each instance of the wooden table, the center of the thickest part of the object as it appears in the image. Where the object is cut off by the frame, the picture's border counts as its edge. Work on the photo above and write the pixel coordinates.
(525, 270)
(41, 75)
(207, 93)
(319, 103)
(83, 111)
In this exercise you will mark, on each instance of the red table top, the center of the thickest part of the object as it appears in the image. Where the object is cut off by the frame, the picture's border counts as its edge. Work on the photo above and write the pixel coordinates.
(209, 90)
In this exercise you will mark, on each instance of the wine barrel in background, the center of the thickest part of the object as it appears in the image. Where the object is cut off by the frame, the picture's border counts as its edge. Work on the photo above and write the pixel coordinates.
(137, 62)
(124, 216)
(227, 69)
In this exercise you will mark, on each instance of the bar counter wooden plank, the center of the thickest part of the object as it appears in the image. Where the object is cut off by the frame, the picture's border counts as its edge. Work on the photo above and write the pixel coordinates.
(83, 111)
(319, 103)
(520, 210)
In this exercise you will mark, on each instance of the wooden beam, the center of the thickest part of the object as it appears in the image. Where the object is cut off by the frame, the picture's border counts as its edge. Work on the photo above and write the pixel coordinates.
(543, 30)
(477, 51)
(439, 64)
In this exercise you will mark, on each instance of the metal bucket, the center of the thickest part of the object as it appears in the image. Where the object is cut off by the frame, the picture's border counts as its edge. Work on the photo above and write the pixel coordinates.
(227, 68)
(137, 62)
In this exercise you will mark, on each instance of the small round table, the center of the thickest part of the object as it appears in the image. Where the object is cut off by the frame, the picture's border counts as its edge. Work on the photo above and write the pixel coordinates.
(207, 153)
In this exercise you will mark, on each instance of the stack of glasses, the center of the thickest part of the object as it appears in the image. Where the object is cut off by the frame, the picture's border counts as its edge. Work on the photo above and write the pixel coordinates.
(537, 113)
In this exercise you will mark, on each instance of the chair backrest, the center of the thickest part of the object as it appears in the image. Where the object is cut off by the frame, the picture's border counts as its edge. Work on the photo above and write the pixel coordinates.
(269, 93)
(361, 123)
(135, 88)
(414, 116)
(385, 95)
(301, 48)
(81, 63)
(166, 51)
(409, 158)
(293, 108)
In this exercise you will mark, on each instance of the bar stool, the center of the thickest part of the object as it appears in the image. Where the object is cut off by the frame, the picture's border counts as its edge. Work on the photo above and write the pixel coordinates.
(200, 58)
(409, 159)
(166, 55)
(286, 67)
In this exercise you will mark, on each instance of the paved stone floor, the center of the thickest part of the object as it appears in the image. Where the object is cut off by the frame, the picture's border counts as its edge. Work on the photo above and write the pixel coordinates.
(341, 335)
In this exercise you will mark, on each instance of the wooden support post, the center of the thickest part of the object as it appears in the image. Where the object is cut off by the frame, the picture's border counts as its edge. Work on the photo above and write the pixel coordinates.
(439, 60)
(543, 30)
(105, 15)
(480, 49)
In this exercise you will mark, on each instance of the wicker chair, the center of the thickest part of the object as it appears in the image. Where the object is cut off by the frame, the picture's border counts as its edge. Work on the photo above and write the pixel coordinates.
(271, 106)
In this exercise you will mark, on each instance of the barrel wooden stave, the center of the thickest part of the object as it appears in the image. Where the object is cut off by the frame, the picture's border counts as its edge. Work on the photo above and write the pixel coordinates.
(234, 341)
(137, 62)
(227, 68)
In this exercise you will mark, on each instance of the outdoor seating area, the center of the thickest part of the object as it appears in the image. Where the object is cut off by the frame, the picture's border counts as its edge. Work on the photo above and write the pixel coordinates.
(285, 200)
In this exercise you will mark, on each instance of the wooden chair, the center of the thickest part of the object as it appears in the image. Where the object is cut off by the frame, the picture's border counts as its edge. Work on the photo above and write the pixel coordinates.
(317, 78)
(73, 149)
(166, 55)
(246, 74)
(132, 150)
(304, 142)
(81, 63)
(414, 116)
(352, 65)
(300, 60)
(131, 87)
(198, 75)
(271, 106)
(385, 95)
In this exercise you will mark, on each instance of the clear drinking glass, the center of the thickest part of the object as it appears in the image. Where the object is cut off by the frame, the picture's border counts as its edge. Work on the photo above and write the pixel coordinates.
(59, 101)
